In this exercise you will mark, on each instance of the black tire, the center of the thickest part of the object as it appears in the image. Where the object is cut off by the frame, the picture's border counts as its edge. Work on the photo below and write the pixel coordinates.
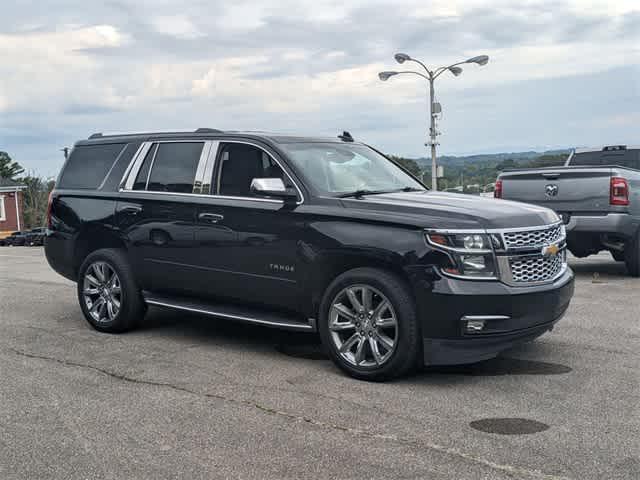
(632, 256)
(132, 306)
(408, 349)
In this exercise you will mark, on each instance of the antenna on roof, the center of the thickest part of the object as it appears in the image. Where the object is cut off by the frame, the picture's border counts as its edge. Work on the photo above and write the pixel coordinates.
(346, 137)
(95, 135)
(208, 130)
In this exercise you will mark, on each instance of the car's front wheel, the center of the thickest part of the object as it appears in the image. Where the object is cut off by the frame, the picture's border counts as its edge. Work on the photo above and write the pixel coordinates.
(107, 291)
(369, 326)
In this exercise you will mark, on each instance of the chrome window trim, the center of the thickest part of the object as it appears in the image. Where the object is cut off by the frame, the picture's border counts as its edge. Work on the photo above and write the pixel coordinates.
(136, 163)
(199, 177)
(208, 169)
(299, 202)
(104, 180)
(131, 172)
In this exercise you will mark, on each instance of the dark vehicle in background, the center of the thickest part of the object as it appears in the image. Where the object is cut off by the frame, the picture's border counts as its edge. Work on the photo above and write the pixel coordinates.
(597, 193)
(307, 234)
(35, 236)
(16, 239)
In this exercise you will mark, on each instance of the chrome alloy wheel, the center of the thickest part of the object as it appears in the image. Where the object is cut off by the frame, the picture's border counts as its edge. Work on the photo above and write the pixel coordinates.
(363, 326)
(102, 292)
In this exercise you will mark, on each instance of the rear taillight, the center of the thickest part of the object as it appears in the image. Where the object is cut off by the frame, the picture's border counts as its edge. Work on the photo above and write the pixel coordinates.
(497, 193)
(619, 192)
(49, 202)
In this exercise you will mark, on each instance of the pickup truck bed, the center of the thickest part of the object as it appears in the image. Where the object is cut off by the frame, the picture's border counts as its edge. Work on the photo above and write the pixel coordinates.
(599, 203)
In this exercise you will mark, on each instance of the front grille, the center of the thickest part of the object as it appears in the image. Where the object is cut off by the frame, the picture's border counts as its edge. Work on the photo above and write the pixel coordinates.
(536, 268)
(533, 238)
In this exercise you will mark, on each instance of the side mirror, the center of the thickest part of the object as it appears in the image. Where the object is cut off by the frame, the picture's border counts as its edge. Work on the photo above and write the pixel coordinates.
(272, 187)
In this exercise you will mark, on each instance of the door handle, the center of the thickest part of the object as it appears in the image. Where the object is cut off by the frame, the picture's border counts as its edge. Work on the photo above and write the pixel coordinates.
(210, 217)
(130, 209)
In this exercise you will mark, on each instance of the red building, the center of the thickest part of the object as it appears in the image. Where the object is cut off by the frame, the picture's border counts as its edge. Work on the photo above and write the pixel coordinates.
(11, 206)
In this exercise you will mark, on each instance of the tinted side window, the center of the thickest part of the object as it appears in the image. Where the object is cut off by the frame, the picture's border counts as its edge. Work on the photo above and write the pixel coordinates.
(143, 174)
(240, 164)
(112, 181)
(174, 167)
(88, 165)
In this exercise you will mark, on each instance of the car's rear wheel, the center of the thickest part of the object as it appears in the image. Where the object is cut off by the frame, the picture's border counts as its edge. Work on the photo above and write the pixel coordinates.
(369, 326)
(107, 291)
(632, 256)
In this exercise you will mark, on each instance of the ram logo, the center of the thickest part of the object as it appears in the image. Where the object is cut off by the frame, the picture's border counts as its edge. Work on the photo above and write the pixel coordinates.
(551, 190)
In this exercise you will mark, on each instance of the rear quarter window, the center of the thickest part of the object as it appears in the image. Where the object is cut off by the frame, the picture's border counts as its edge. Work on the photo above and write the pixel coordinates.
(88, 165)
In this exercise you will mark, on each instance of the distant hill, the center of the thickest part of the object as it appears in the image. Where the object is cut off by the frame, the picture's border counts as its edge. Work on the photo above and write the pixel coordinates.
(480, 171)
(489, 158)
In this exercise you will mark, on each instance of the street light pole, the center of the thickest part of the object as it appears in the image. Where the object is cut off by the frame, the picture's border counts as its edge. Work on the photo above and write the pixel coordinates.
(431, 78)
(433, 134)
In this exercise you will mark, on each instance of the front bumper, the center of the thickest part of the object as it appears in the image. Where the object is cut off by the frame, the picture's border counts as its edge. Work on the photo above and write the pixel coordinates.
(520, 314)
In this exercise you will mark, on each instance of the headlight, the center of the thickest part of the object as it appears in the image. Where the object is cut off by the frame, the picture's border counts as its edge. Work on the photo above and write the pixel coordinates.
(471, 254)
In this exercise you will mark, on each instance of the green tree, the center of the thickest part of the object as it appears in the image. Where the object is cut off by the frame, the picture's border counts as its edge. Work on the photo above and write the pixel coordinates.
(36, 197)
(8, 168)
(408, 164)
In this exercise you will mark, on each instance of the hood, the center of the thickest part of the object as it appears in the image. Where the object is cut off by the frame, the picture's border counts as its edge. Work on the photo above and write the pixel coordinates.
(456, 211)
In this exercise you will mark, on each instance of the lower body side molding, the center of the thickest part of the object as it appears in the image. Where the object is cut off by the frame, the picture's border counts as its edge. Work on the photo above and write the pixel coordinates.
(232, 312)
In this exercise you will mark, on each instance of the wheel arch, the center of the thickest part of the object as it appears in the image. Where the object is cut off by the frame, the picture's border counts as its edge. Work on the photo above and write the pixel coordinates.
(330, 265)
(94, 238)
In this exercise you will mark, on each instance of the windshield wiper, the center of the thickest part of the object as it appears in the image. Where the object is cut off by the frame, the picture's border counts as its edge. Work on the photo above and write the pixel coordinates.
(411, 189)
(361, 193)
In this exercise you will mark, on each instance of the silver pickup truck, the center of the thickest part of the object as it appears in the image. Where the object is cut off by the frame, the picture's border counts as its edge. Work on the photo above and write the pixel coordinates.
(597, 194)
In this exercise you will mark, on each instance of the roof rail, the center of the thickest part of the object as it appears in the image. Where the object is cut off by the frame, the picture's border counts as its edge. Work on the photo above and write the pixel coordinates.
(95, 135)
(208, 130)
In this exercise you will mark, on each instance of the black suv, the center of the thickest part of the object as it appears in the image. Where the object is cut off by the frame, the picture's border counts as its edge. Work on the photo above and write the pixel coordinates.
(307, 234)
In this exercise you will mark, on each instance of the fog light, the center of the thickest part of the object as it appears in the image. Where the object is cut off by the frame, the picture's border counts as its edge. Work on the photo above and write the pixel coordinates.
(475, 326)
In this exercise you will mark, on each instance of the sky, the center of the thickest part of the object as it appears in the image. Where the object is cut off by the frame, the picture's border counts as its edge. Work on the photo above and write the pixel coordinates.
(562, 73)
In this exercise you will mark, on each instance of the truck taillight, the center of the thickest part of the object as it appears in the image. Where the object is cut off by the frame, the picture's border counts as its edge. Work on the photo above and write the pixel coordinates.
(497, 193)
(49, 202)
(619, 192)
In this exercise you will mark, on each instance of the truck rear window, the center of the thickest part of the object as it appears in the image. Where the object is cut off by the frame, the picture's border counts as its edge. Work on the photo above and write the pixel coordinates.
(624, 158)
(88, 165)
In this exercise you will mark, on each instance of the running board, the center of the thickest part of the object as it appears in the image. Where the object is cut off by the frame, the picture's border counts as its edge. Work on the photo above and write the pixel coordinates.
(231, 312)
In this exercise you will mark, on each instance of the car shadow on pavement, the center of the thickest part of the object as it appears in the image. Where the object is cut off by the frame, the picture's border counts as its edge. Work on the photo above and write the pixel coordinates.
(307, 347)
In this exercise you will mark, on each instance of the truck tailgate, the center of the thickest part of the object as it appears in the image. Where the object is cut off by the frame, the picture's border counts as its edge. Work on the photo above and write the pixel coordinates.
(563, 189)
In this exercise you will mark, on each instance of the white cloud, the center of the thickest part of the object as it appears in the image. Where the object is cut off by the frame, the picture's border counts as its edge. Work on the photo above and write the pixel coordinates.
(312, 65)
(179, 26)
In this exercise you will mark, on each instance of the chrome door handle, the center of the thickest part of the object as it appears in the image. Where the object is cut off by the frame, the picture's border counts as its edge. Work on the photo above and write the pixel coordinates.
(210, 217)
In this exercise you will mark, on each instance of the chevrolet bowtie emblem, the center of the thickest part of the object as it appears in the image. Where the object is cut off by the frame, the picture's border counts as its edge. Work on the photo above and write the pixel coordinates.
(550, 250)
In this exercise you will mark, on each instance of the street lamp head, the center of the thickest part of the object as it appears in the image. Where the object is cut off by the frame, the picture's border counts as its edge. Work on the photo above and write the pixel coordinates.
(455, 70)
(384, 76)
(480, 60)
(401, 57)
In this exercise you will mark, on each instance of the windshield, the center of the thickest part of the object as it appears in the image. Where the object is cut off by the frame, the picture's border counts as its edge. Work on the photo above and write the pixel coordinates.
(334, 168)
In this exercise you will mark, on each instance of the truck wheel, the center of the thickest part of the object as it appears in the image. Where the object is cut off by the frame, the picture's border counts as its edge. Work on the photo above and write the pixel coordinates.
(107, 291)
(369, 326)
(632, 256)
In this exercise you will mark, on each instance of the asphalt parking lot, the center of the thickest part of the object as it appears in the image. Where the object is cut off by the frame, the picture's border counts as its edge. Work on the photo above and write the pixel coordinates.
(192, 397)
